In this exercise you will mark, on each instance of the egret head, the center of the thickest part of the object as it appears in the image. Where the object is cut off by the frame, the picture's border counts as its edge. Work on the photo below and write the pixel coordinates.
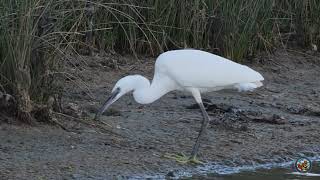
(123, 86)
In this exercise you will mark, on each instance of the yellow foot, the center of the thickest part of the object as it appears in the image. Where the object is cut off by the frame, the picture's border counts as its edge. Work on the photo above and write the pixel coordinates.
(182, 158)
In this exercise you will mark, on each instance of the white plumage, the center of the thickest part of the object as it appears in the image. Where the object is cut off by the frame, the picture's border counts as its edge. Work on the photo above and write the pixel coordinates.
(203, 70)
(189, 70)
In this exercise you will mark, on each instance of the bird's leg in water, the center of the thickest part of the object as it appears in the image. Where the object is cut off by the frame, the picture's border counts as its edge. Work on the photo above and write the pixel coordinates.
(182, 158)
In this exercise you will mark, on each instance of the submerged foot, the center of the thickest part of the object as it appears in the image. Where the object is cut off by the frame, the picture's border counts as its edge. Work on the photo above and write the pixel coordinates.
(182, 158)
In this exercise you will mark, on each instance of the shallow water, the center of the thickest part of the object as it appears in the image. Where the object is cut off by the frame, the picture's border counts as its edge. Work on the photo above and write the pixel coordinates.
(278, 173)
(285, 172)
(213, 171)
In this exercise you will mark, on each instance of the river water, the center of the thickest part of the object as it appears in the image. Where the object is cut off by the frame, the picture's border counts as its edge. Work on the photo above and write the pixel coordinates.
(213, 171)
(270, 174)
(282, 172)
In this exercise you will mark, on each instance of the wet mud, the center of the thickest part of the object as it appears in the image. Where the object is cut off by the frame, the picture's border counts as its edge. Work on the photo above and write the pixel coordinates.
(276, 123)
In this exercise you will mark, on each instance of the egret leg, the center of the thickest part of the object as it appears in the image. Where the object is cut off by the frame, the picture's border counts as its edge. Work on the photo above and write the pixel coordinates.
(202, 132)
(193, 158)
(182, 158)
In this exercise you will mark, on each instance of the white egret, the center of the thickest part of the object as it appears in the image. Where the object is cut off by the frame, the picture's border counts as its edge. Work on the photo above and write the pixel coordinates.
(190, 70)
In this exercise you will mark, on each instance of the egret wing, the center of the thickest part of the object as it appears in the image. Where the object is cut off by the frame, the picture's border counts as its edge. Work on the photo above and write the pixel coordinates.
(195, 68)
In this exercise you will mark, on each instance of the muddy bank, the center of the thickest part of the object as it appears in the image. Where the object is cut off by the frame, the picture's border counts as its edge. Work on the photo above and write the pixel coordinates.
(275, 123)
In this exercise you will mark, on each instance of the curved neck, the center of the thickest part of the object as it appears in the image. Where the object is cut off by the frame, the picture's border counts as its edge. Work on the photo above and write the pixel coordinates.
(149, 93)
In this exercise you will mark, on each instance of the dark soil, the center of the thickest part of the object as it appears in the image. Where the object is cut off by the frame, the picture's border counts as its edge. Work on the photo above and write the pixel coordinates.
(278, 122)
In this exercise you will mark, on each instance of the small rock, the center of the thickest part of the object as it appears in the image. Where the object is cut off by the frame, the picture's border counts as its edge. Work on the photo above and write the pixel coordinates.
(296, 110)
(170, 174)
(273, 119)
(222, 107)
(275, 69)
(313, 111)
(6, 101)
(73, 106)
(205, 100)
(184, 96)
(193, 106)
(72, 109)
(309, 110)
(112, 112)
(243, 128)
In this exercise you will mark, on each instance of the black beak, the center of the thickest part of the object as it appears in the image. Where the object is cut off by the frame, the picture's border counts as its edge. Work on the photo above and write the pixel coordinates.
(108, 102)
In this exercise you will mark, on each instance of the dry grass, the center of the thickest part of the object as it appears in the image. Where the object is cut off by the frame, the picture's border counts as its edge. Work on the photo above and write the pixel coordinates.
(35, 34)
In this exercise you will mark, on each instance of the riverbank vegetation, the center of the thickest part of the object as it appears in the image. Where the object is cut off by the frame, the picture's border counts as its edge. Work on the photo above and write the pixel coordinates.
(38, 36)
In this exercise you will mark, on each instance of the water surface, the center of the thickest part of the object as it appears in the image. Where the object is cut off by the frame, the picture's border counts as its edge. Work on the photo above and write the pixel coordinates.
(284, 173)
